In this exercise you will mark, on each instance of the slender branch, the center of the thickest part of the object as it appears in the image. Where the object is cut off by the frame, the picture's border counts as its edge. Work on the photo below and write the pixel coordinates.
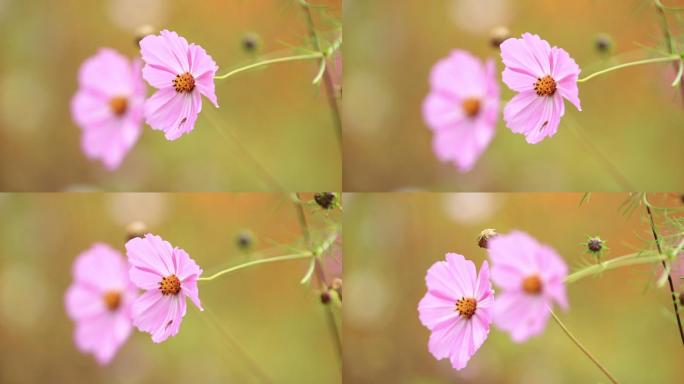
(631, 64)
(294, 256)
(320, 274)
(327, 79)
(311, 56)
(669, 277)
(582, 348)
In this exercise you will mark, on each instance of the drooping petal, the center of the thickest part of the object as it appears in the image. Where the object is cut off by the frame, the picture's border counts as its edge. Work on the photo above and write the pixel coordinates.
(568, 89)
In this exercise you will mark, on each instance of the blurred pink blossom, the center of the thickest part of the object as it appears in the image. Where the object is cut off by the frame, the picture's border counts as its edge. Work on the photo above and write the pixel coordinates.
(99, 301)
(462, 108)
(531, 276)
(108, 106)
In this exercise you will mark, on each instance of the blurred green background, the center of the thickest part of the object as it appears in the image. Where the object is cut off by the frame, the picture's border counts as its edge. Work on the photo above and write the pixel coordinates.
(392, 239)
(278, 322)
(633, 115)
(276, 113)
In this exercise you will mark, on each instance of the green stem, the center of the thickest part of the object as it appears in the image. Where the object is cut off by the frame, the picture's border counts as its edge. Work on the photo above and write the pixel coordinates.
(310, 56)
(582, 348)
(622, 261)
(320, 274)
(631, 64)
(294, 256)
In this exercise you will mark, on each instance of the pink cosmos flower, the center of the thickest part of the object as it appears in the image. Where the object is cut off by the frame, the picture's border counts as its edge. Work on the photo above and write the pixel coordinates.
(168, 275)
(532, 278)
(456, 308)
(182, 73)
(99, 301)
(543, 76)
(462, 108)
(108, 106)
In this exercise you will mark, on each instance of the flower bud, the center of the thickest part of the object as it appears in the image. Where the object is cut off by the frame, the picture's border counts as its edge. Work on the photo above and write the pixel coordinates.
(603, 43)
(498, 35)
(251, 42)
(325, 297)
(483, 238)
(244, 240)
(136, 229)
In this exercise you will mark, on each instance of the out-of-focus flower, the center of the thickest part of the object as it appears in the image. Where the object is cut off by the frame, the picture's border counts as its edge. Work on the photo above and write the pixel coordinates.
(168, 275)
(182, 73)
(99, 301)
(543, 76)
(531, 276)
(108, 106)
(456, 308)
(462, 108)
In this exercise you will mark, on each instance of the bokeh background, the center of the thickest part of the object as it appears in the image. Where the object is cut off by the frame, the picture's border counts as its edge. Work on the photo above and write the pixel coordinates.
(281, 324)
(392, 239)
(633, 115)
(276, 114)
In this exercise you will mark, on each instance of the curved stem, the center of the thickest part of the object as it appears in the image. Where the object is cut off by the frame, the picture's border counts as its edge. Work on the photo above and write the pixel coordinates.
(582, 348)
(631, 64)
(294, 256)
(320, 274)
(310, 56)
(622, 261)
(327, 79)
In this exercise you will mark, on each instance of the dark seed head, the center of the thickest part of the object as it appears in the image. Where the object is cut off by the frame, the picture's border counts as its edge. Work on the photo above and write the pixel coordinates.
(325, 200)
(595, 244)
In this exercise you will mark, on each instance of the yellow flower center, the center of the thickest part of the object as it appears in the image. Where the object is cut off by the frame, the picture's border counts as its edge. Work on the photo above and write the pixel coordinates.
(184, 83)
(471, 106)
(118, 105)
(466, 307)
(532, 284)
(112, 300)
(170, 285)
(545, 86)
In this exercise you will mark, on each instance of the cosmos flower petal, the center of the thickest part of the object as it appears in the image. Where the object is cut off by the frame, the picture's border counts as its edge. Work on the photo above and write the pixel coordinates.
(540, 73)
(175, 67)
(457, 330)
(169, 276)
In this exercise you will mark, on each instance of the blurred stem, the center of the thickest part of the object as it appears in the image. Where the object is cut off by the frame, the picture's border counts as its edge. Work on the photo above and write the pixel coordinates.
(581, 347)
(631, 64)
(320, 274)
(660, 5)
(327, 79)
(311, 56)
(669, 277)
(617, 175)
(294, 256)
